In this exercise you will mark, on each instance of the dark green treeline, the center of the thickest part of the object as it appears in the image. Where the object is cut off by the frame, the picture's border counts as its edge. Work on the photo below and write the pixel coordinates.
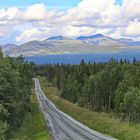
(109, 87)
(15, 91)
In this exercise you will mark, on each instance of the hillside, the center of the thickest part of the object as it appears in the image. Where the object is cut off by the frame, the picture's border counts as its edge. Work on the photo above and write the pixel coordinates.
(62, 45)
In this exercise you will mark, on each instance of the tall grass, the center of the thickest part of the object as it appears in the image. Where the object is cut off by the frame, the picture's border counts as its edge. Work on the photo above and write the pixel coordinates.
(100, 121)
(34, 126)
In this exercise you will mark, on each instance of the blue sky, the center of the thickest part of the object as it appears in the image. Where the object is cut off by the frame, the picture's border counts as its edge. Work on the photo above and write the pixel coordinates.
(49, 3)
(119, 1)
(60, 4)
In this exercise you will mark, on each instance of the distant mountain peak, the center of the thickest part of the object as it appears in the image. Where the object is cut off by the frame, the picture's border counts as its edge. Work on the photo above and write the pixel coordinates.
(126, 39)
(98, 35)
(90, 37)
(8, 45)
(56, 38)
(63, 45)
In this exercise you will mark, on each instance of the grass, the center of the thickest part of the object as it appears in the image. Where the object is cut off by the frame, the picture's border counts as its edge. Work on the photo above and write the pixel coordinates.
(34, 126)
(102, 122)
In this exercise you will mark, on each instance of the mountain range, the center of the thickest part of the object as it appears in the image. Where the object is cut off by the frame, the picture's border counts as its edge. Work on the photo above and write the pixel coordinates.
(97, 43)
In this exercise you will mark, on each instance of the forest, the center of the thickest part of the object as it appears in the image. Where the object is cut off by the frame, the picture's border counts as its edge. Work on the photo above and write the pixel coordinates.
(112, 87)
(15, 91)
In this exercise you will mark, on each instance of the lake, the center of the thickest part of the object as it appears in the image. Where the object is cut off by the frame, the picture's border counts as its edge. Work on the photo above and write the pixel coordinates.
(76, 58)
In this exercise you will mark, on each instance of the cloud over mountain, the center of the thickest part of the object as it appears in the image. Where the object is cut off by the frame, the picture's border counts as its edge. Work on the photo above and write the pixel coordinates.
(88, 17)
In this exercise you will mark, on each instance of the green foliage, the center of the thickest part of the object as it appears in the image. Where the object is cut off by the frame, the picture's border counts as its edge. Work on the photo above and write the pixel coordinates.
(1, 54)
(15, 91)
(98, 86)
(33, 126)
(3, 124)
(70, 89)
(103, 122)
(131, 106)
(3, 130)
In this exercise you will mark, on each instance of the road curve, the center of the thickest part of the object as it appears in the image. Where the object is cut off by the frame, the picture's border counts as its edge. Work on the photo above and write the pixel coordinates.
(61, 125)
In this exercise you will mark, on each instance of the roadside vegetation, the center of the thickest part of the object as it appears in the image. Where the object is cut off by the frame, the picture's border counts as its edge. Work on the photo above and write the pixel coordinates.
(15, 91)
(34, 126)
(20, 117)
(103, 96)
(111, 89)
(100, 121)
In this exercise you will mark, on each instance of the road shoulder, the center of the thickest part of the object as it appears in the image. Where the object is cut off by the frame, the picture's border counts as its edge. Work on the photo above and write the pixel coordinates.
(34, 126)
(99, 121)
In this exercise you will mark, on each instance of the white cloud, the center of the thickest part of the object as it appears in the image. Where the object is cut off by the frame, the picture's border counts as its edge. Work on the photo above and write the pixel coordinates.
(28, 34)
(117, 33)
(88, 17)
(130, 9)
(5, 31)
(73, 31)
(8, 14)
(2, 34)
(36, 12)
(133, 29)
(32, 34)
(94, 12)
(95, 5)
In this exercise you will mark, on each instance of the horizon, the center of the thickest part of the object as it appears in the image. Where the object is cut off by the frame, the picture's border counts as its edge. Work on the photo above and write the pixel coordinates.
(74, 38)
(20, 23)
